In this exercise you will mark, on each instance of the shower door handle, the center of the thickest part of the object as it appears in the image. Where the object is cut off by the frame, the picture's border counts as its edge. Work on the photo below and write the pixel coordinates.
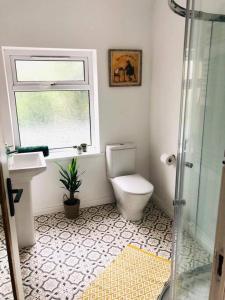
(189, 164)
(179, 202)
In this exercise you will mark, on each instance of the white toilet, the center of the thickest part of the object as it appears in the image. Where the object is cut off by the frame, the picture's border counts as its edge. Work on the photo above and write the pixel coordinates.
(132, 191)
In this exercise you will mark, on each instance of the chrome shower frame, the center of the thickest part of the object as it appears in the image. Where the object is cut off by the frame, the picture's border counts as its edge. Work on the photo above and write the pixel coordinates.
(200, 15)
(189, 13)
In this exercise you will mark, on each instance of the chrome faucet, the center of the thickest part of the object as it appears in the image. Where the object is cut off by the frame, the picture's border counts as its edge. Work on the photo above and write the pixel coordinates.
(7, 149)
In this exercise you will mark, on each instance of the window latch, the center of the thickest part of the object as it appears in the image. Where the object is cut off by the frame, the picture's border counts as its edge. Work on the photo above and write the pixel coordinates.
(53, 83)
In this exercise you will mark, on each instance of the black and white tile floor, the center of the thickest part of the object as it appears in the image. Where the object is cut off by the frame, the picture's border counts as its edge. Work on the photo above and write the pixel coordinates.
(69, 254)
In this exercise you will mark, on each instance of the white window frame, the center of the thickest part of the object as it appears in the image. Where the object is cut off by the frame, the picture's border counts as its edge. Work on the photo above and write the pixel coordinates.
(88, 56)
(17, 83)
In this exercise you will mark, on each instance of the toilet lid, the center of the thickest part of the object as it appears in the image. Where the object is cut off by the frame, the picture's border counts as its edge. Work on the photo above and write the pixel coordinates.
(134, 184)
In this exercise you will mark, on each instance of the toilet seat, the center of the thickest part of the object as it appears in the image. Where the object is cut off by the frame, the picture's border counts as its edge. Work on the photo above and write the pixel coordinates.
(133, 184)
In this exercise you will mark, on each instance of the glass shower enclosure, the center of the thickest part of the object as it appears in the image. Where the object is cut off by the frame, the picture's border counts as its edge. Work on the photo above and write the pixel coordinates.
(200, 150)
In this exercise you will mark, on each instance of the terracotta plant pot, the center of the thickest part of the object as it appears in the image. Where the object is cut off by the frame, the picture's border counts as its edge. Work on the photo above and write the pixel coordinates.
(71, 208)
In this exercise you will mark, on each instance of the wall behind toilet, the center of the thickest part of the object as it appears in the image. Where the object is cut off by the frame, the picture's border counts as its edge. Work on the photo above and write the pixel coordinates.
(124, 112)
(166, 73)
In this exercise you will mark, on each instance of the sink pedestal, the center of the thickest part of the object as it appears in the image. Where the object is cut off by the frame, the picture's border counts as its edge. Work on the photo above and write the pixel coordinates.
(22, 168)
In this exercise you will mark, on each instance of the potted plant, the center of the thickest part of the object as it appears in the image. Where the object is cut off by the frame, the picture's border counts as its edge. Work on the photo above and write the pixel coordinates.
(71, 182)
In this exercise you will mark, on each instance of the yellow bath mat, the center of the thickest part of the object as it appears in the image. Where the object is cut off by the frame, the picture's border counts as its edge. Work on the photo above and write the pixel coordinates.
(134, 274)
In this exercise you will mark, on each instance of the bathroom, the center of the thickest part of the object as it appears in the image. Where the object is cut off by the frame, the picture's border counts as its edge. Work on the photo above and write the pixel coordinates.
(146, 115)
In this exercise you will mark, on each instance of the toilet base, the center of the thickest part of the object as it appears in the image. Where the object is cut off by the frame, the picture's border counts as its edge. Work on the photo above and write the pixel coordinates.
(130, 215)
(130, 204)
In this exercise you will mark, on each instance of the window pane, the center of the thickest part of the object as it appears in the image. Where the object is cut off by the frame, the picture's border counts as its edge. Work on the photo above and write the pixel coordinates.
(54, 118)
(37, 70)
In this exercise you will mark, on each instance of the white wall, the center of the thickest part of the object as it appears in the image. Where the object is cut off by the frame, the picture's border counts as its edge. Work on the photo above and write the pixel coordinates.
(166, 73)
(124, 112)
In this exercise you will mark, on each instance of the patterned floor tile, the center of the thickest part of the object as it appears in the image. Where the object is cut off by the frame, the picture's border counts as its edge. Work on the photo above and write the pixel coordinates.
(69, 254)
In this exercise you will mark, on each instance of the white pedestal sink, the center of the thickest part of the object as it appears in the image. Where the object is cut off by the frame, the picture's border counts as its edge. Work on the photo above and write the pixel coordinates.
(22, 168)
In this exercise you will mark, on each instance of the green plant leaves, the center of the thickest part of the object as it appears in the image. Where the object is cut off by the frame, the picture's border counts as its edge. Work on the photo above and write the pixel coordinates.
(65, 183)
(70, 177)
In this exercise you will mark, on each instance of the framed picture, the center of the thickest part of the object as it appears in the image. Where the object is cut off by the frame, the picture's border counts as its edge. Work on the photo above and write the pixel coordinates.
(125, 67)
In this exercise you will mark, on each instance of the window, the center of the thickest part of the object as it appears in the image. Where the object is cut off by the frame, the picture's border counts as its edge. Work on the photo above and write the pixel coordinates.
(53, 96)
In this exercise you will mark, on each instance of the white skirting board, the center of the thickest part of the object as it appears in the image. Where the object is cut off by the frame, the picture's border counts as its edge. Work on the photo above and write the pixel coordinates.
(58, 208)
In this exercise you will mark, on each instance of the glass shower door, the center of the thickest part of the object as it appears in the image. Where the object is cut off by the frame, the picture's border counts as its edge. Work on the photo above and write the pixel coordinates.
(201, 150)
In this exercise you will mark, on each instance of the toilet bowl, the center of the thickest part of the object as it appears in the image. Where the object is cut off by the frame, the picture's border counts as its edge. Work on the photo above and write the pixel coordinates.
(132, 191)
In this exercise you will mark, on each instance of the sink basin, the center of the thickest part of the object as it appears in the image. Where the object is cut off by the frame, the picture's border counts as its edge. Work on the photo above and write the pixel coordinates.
(30, 164)
(22, 168)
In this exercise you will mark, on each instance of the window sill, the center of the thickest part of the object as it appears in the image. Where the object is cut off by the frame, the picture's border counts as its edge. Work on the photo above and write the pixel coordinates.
(70, 153)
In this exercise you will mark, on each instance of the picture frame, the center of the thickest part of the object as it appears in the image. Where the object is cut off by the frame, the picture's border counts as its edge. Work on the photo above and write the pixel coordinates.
(125, 67)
